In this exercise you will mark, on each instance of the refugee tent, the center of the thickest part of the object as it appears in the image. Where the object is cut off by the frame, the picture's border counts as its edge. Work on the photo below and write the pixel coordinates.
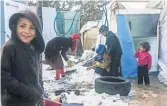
(133, 21)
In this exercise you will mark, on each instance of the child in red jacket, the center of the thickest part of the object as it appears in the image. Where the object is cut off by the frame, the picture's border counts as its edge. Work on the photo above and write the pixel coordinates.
(144, 63)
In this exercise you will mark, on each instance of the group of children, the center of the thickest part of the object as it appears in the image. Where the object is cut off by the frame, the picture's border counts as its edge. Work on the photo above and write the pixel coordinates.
(21, 65)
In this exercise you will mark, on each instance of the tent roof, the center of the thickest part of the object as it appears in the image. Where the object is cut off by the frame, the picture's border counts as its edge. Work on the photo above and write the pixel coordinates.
(138, 4)
(89, 25)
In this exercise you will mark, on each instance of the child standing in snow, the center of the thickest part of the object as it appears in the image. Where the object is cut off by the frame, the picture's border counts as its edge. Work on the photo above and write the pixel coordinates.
(20, 61)
(144, 63)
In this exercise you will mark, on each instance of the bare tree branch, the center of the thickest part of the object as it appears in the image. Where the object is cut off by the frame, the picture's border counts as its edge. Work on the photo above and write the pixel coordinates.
(89, 10)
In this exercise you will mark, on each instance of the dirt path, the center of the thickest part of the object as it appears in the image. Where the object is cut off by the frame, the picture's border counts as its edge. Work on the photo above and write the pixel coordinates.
(156, 95)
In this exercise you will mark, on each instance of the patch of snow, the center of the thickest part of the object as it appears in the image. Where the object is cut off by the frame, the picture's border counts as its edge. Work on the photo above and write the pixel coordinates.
(88, 54)
(82, 75)
(83, 78)
(92, 98)
(46, 67)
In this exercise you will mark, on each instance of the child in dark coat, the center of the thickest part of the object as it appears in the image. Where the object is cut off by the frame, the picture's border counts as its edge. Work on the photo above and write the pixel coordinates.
(144, 63)
(58, 47)
(114, 50)
(20, 61)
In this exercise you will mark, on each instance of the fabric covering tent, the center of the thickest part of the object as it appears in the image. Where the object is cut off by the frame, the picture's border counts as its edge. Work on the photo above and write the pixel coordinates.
(121, 15)
(89, 33)
(162, 60)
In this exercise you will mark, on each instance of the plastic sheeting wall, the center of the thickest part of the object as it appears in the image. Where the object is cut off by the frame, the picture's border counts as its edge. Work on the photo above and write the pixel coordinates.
(128, 60)
(142, 28)
(59, 22)
(90, 38)
(71, 21)
(132, 30)
(2, 27)
(63, 23)
(162, 61)
(48, 22)
(10, 8)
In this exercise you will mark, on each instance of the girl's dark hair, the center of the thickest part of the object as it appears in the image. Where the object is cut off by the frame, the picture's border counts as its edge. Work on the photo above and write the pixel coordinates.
(146, 46)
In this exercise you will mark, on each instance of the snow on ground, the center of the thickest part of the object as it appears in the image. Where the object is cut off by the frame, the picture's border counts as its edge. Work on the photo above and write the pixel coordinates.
(88, 54)
(83, 80)
(92, 98)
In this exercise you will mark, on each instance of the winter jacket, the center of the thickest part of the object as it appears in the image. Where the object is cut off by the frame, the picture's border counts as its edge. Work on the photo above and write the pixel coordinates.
(113, 44)
(20, 66)
(56, 45)
(144, 58)
(103, 64)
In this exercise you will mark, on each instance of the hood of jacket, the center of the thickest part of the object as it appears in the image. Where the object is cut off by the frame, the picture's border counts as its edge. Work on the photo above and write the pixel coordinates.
(38, 41)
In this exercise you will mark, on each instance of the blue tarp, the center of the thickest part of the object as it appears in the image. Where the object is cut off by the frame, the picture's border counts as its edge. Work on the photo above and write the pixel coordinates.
(71, 23)
(2, 23)
(59, 22)
(128, 61)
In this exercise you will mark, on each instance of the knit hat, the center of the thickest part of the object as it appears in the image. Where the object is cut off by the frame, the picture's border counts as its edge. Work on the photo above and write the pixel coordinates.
(103, 28)
(75, 36)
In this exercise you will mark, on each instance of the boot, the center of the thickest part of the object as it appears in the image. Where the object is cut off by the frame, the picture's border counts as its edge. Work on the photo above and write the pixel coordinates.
(58, 72)
(62, 72)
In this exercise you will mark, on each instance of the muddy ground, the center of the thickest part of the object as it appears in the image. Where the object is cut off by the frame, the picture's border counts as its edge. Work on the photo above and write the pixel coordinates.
(156, 95)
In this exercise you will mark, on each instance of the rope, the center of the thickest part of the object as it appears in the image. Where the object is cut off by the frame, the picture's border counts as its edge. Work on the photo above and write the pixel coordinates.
(106, 20)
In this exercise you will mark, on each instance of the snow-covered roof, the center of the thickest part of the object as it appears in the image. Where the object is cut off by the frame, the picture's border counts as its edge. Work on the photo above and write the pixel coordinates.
(138, 4)
(88, 26)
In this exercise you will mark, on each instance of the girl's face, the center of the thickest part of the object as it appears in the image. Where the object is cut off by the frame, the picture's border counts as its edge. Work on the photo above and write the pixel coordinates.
(142, 49)
(25, 30)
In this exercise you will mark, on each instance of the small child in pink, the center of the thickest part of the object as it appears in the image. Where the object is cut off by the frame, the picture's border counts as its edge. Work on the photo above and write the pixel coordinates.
(144, 62)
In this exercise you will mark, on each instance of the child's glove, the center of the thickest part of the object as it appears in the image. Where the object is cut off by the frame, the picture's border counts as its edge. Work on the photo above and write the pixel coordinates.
(69, 62)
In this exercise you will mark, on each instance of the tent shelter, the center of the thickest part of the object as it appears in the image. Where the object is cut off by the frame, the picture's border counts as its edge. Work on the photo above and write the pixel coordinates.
(89, 33)
(135, 21)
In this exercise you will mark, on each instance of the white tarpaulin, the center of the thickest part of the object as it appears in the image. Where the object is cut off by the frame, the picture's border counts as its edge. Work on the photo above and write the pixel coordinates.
(10, 8)
(162, 62)
(48, 22)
